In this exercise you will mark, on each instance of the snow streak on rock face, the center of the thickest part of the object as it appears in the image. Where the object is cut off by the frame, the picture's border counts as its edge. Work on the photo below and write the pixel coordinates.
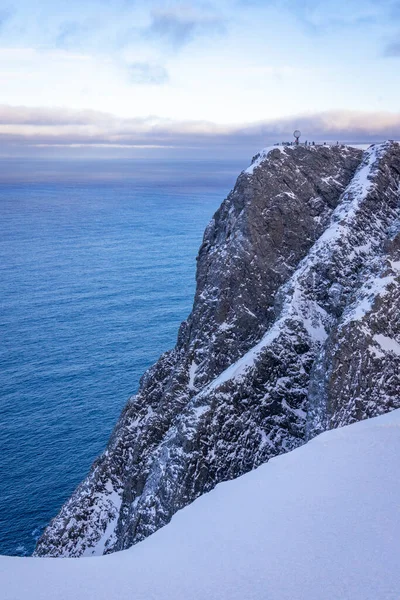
(294, 329)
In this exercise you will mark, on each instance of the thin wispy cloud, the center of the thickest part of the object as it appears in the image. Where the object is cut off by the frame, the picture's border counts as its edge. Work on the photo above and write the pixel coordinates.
(319, 16)
(395, 10)
(70, 34)
(392, 49)
(147, 73)
(180, 24)
(5, 16)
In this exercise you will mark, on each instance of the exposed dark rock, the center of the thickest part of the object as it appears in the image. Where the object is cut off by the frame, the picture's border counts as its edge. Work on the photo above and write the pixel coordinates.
(295, 328)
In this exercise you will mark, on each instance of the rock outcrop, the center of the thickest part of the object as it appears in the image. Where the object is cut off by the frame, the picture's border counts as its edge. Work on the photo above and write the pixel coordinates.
(295, 329)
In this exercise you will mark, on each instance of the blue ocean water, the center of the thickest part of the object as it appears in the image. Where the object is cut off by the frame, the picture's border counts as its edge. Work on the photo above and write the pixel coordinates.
(97, 270)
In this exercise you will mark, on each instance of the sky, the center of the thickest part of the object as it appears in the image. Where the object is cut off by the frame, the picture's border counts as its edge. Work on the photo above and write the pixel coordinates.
(194, 78)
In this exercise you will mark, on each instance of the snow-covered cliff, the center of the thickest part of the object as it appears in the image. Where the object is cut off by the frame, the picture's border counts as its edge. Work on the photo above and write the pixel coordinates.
(295, 329)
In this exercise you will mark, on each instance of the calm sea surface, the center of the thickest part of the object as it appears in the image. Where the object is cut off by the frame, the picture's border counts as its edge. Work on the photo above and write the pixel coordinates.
(97, 270)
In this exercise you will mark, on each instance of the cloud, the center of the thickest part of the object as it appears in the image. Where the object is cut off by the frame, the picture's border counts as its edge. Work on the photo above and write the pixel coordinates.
(146, 73)
(68, 33)
(5, 15)
(48, 117)
(395, 10)
(180, 24)
(319, 16)
(392, 49)
(23, 127)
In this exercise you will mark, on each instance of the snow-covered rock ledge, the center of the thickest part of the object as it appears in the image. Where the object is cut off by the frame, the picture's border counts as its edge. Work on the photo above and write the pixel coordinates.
(321, 522)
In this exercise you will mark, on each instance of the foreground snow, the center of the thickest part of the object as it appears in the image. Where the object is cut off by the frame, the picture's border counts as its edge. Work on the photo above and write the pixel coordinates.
(321, 522)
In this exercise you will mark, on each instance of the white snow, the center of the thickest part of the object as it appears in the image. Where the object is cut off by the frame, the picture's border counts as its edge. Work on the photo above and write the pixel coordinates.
(298, 307)
(387, 344)
(359, 187)
(241, 366)
(262, 156)
(225, 326)
(376, 352)
(110, 505)
(321, 522)
(377, 286)
(107, 536)
(330, 179)
(395, 265)
(309, 313)
(192, 375)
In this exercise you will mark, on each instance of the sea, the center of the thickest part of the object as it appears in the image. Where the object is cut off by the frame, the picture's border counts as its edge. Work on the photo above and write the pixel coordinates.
(97, 270)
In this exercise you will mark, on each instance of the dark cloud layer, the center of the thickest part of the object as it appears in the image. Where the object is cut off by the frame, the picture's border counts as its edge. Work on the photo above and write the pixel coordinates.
(22, 128)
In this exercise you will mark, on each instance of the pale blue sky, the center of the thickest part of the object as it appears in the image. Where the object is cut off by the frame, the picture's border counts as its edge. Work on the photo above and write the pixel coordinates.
(167, 73)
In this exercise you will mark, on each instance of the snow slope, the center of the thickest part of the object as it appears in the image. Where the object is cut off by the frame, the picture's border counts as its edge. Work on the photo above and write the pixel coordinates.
(321, 522)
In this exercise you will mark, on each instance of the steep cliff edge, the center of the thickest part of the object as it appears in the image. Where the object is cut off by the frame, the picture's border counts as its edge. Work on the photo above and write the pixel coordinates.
(295, 329)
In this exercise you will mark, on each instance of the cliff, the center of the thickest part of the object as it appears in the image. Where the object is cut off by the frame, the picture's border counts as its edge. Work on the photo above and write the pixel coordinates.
(295, 329)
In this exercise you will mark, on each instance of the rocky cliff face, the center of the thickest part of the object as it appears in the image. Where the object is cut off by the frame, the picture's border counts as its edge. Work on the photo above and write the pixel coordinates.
(295, 328)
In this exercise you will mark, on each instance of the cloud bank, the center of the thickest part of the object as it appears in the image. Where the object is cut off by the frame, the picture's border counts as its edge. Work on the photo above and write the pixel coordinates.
(23, 128)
